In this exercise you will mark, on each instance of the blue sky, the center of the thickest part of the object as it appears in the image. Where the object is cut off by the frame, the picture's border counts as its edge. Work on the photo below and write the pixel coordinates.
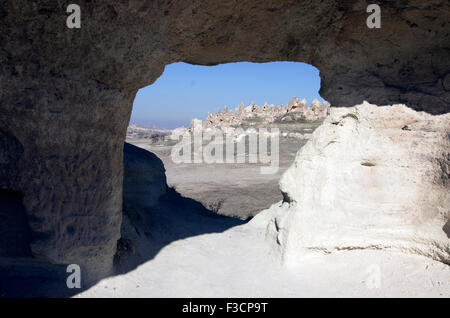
(187, 91)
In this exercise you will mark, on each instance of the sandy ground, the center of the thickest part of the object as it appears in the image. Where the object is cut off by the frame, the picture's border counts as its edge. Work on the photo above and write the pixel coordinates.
(236, 263)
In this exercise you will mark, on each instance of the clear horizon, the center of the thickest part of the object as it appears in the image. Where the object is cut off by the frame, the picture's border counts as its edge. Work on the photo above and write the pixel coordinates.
(186, 91)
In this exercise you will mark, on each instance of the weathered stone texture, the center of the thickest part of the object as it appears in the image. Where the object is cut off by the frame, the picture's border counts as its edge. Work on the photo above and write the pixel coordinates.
(66, 94)
(370, 178)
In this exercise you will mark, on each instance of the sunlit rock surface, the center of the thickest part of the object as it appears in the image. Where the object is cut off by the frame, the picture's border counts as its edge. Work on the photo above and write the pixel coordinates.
(370, 178)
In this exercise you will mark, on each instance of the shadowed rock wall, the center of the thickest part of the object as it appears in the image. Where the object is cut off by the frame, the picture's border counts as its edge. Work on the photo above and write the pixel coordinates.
(66, 94)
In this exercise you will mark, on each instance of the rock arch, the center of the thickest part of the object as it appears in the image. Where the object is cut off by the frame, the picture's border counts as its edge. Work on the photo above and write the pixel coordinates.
(67, 93)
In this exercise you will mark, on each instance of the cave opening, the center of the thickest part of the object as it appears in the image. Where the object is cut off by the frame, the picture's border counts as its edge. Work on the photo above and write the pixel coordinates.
(273, 97)
(165, 200)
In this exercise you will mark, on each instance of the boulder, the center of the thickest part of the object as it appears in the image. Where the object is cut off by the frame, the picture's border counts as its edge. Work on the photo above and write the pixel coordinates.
(370, 178)
(144, 178)
(144, 183)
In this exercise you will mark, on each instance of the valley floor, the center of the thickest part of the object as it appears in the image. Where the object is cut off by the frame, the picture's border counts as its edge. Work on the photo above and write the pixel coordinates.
(236, 190)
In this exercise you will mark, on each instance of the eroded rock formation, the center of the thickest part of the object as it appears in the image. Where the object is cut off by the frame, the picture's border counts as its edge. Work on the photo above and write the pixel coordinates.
(144, 183)
(66, 94)
(144, 178)
(370, 178)
(267, 114)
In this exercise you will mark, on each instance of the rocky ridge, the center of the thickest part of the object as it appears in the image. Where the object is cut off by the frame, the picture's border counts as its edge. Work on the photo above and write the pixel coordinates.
(294, 120)
(153, 134)
(254, 114)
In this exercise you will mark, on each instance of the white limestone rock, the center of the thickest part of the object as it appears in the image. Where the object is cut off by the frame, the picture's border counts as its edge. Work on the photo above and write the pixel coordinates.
(370, 178)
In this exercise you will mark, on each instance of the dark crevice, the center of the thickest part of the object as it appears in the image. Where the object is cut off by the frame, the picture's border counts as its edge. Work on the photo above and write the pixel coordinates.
(15, 234)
